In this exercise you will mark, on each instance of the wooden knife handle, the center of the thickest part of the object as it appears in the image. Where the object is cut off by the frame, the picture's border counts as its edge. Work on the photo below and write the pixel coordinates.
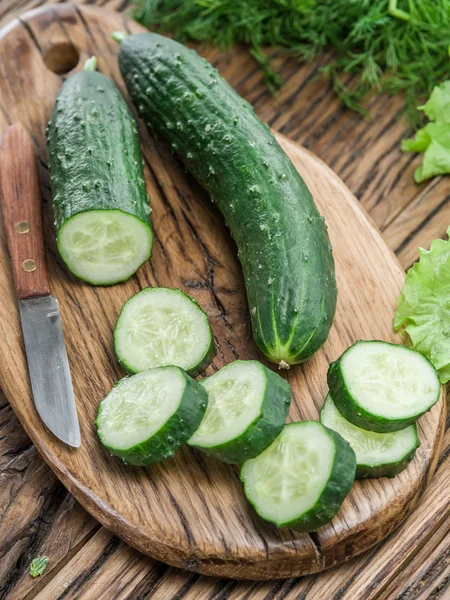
(22, 213)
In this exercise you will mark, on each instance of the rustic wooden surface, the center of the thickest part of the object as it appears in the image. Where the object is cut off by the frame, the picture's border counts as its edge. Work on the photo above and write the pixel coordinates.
(39, 516)
(191, 511)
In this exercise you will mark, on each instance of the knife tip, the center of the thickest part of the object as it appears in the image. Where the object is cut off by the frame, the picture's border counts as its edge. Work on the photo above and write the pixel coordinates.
(72, 439)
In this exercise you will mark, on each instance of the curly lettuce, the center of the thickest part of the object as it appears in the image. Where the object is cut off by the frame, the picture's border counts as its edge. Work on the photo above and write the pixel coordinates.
(434, 138)
(423, 307)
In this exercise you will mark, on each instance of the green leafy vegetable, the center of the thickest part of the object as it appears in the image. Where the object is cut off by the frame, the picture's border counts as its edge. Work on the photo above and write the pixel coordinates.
(394, 45)
(434, 138)
(423, 307)
(38, 566)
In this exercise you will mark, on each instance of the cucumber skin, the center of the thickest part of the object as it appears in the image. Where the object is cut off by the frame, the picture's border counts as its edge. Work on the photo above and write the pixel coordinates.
(263, 430)
(356, 414)
(180, 427)
(282, 240)
(387, 469)
(199, 368)
(338, 486)
(94, 155)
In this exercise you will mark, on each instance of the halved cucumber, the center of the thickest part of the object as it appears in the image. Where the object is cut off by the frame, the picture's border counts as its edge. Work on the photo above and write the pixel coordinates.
(383, 387)
(147, 417)
(247, 409)
(161, 326)
(104, 246)
(377, 454)
(301, 480)
(102, 210)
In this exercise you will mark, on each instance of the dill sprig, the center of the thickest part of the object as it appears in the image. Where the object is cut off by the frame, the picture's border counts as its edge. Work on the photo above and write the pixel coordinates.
(395, 46)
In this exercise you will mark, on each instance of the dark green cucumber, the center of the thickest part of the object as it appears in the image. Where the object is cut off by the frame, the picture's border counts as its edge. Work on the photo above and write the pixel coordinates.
(102, 211)
(147, 417)
(377, 454)
(302, 479)
(383, 387)
(282, 240)
(247, 409)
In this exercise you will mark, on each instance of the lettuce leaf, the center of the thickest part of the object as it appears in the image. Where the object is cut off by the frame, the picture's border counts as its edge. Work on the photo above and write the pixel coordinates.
(423, 307)
(434, 138)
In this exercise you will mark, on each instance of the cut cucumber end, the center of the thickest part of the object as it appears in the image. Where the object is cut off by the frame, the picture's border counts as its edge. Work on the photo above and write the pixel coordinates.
(377, 454)
(162, 326)
(301, 480)
(104, 247)
(247, 408)
(383, 387)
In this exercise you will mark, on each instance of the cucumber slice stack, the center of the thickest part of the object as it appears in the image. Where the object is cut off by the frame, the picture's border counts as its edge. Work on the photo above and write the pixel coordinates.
(247, 409)
(147, 417)
(377, 454)
(161, 326)
(383, 387)
(302, 478)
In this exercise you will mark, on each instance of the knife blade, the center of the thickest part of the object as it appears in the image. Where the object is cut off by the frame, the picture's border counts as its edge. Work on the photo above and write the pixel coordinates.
(45, 349)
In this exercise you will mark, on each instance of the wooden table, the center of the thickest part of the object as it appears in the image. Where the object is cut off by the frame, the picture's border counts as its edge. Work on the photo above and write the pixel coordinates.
(38, 516)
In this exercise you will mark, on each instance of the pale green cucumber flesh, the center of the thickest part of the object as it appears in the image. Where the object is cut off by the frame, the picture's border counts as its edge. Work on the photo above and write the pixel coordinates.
(162, 326)
(383, 387)
(377, 454)
(301, 480)
(147, 417)
(247, 409)
(104, 247)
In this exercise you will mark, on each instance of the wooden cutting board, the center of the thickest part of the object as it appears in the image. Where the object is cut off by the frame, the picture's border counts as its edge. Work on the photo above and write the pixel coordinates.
(190, 511)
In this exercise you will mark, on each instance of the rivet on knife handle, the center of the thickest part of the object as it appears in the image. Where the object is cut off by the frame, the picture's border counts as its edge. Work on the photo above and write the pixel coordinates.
(22, 213)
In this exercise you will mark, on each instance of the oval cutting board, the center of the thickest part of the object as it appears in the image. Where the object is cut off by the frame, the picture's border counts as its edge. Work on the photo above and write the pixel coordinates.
(190, 511)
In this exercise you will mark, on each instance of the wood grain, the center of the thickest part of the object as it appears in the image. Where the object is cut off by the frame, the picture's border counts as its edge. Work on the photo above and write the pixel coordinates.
(377, 575)
(21, 205)
(37, 515)
(207, 526)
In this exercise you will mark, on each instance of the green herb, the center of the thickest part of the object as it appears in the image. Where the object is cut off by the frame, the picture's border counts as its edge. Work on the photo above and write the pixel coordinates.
(38, 566)
(423, 307)
(393, 45)
(434, 138)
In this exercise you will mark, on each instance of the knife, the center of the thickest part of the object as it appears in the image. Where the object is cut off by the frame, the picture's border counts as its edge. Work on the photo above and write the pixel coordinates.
(39, 312)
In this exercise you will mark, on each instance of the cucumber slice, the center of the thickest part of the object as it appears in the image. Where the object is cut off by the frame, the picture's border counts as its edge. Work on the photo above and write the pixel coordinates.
(147, 417)
(104, 247)
(383, 387)
(301, 480)
(247, 409)
(161, 326)
(377, 454)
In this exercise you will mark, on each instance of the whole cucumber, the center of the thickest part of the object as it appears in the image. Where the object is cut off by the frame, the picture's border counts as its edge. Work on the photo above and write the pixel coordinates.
(282, 240)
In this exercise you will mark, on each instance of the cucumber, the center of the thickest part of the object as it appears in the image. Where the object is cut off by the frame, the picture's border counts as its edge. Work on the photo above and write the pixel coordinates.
(102, 211)
(161, 326)
(247, 409)
(377, 454)
(383, 387)
(302, 479)
(282, 240)
(147, 417)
